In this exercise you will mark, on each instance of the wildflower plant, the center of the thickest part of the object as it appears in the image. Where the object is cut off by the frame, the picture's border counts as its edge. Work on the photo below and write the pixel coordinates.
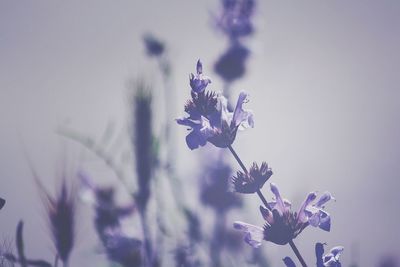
(210, 121)
(61, 211)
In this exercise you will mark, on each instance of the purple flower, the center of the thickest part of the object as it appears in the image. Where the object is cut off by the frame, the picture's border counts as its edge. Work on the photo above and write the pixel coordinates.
(198, 81)
(332, 258)
(209, 119)
(254, 180)
(235, 20)
(283, 225)
(108, 213)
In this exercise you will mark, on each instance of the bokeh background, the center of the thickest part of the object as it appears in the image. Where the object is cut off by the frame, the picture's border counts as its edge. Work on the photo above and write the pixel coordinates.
(324, 83)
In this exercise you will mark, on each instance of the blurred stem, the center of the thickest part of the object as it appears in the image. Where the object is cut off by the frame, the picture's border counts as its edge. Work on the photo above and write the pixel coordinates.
(56, 261)
(146, 237)
(261, 196)
(219, 236)
(298, 255)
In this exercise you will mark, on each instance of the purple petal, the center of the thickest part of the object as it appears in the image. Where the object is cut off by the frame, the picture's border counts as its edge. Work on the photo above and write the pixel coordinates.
(280, 205)
(194, 140)
(289, 262)
(267, 215)
(324, 198)
(253, 234)
(302, 216)
(199, 67)
(337, 251)
(241, 117)
(319, 252)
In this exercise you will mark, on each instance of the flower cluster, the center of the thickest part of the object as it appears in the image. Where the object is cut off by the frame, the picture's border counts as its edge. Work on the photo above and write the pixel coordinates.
(252, 181)
(209, 119)
(283, 225)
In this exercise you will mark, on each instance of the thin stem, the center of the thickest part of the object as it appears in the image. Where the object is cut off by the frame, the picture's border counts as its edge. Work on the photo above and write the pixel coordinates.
(298, 255)
(260, 195)
(264, 201)
(56, 261)
(237, 159)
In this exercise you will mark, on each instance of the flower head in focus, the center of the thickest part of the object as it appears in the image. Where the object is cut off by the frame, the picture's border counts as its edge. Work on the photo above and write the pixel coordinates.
(210, 120)
(254, 180)
(283, 225)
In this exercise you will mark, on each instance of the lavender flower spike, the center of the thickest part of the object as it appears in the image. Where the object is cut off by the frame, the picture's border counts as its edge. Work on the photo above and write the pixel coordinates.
(198, 81)
(332, 258)
(209, 118)
(282, 224)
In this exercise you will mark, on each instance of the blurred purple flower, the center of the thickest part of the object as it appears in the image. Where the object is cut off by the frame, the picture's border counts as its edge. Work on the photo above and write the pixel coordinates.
(198, 81)
(154, 47)
(108, 213)
(124, 250)
(254, 180)
(215, 189)
(231, 65)
(2, 203)
(235, 18)
(185, 257)
(282, 225)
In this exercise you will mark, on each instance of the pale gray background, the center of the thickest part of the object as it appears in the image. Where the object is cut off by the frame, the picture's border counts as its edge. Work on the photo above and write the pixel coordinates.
(324, 84)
